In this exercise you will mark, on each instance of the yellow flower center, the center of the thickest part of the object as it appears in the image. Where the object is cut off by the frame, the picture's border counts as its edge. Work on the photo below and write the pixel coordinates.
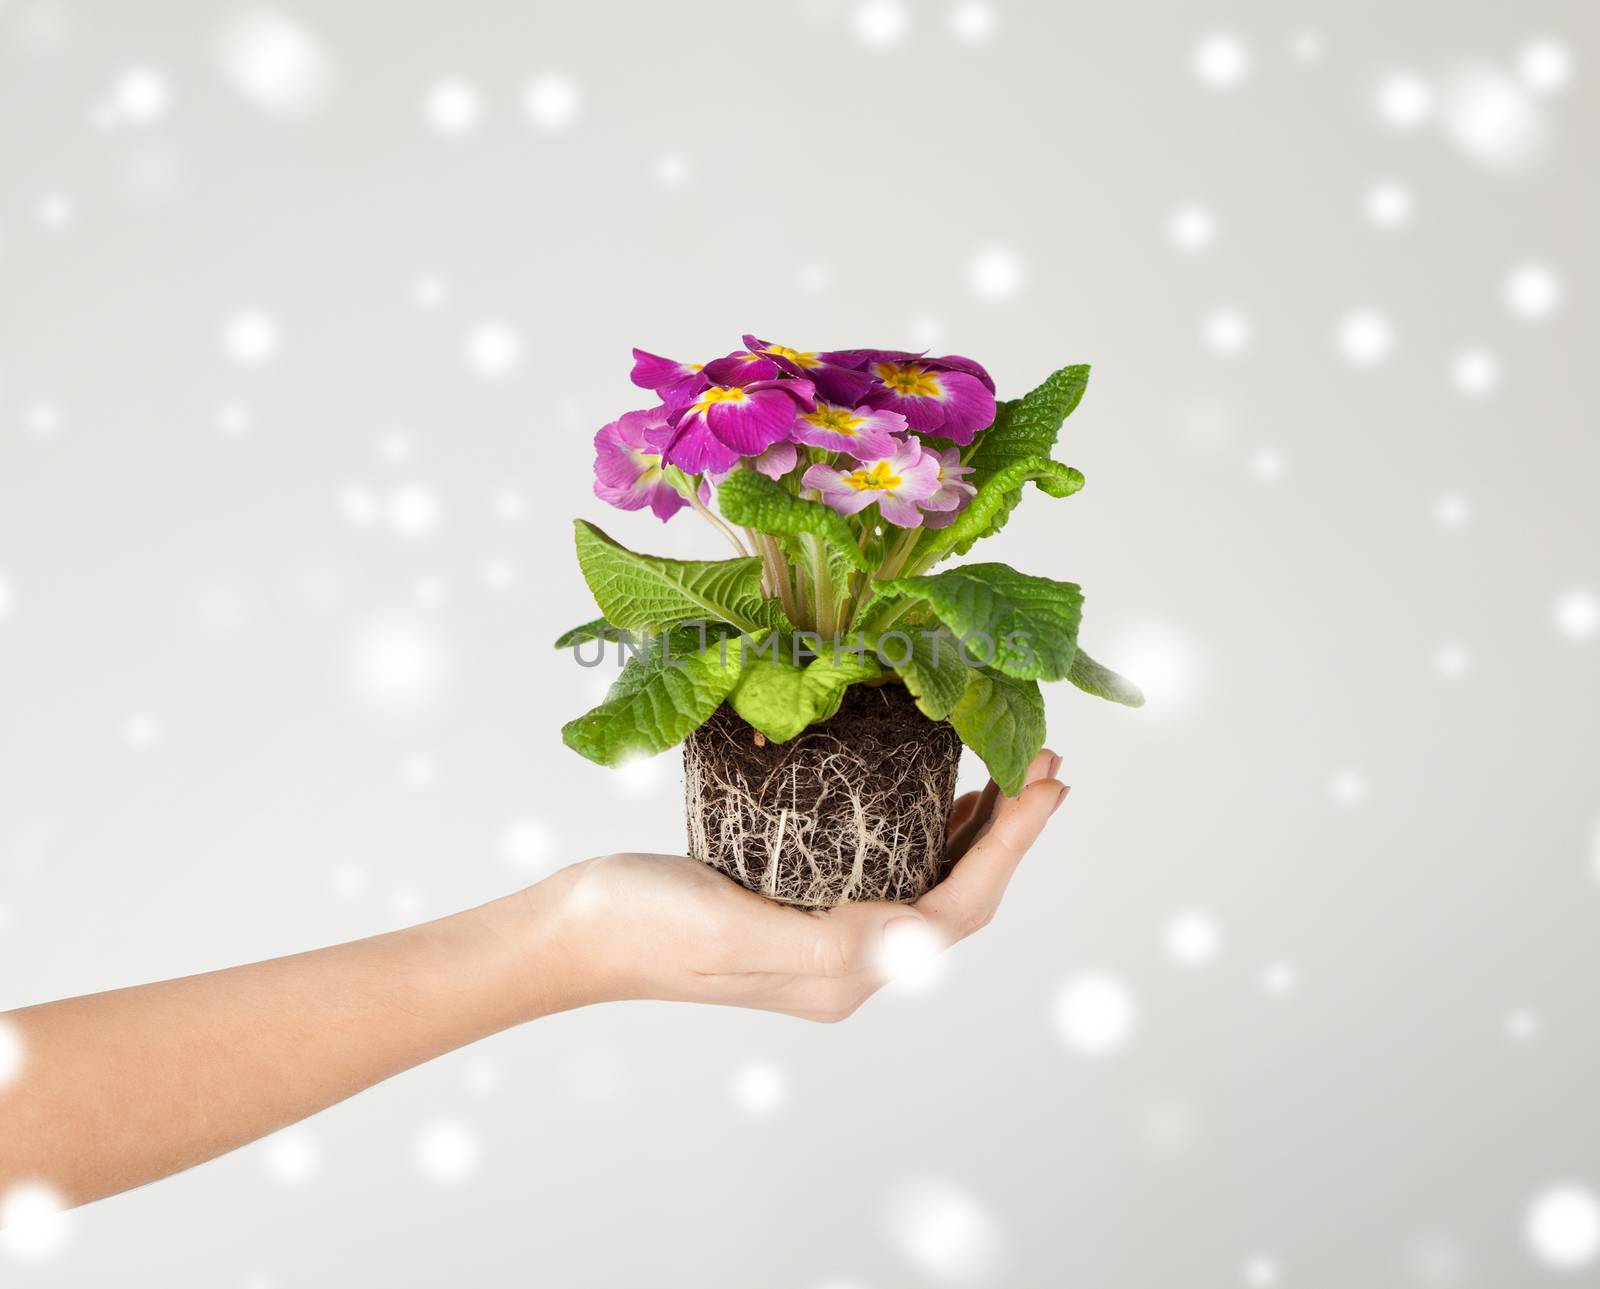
(719, 394)
(875, 478)
(808, 359)
(909, 380)
(836, 419)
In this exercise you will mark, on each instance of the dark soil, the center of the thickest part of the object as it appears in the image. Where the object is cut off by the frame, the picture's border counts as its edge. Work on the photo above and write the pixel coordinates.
(855, 808)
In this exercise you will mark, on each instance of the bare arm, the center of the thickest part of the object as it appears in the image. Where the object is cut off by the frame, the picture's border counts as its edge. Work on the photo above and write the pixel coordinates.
(121, 1088)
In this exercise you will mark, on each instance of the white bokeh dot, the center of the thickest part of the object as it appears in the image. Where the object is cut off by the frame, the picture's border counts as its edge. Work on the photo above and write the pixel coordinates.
(1476, 372)
(527, 845)
(1192, 227)
(447, 1152)
(34, 1222)
(996, 273)
(1193, 938)
(140, 95)
(1306, 46)
(428, 291)
(251, 337)
(452, 107)
(398, 664)
(1227, 332)
(551, 101)
(1576, 614)
(1095, 1013)
(1260, 1271)
(943, 1231)
(56, 211)
(1405, 100)
(1267, 465)
(42, 417)
(1365, 338)
(291, 1156)
(1388, 205)
(880, 24)
(1562, 1226)
(11, 1053)
(141, 730)
(1279, 979)
(1220, 61)
(672, 170)
(493, 349)
(274, 62)
(759, 1087)
(1452, 511)
(972, 21)
(1347, 788)
(1522, 1025)
(412, 511)
(1491, 118)
(1545, 65)
(1452, 661)
(1532, 291)
(8, 598)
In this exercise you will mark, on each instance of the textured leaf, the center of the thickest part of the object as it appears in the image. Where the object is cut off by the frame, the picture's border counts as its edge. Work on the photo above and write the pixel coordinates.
(1024, 626)
(1002, 720)
(987, 512)
(1093, 678)
(599, 629)
(751, 500)
(781, 699)
(647, 593)
(935, 673)
(1026, 427)
(662, 696)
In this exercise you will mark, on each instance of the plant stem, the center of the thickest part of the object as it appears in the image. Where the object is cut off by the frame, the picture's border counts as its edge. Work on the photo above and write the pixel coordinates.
(693, 494)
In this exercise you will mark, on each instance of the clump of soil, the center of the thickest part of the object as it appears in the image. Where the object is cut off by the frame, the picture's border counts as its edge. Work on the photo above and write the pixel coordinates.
(854, 808)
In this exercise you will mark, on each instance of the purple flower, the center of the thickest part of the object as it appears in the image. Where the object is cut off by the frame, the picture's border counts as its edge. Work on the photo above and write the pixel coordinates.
(676, 383)
(866, 433)
(742, 367)
(726, 422)
(954, 492)
(896, 482)
(628, 472)
(934, 399)
(775, 462)
(836, 382)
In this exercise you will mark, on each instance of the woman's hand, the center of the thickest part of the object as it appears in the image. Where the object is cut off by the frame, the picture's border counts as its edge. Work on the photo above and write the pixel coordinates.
(120, 1088)
(666, 927)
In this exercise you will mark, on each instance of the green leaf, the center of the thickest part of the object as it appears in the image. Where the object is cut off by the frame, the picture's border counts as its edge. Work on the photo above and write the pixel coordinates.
(1002, 720)
(662, 696)
(647, 593)
(599, 629)
(987, 512)
(782, 699)
(1093, 678)
(935, 673)
(1024, 626)
(751, 500)
(1025, 428)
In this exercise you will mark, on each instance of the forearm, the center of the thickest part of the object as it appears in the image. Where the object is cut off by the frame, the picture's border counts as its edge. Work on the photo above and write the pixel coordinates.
(121, 1088)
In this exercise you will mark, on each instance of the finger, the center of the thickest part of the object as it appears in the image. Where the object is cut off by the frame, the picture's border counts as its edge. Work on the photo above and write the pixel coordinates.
(967, 899)
(983, 809)
(961, 811)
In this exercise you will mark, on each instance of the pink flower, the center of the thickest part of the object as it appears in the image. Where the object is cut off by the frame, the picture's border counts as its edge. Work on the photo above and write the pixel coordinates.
(676, 383)
(941, 509)
(951, 404)
(866, 433)
(896, 483)
(628, 472)
(726, 422)
(775, 462)
(836, 382)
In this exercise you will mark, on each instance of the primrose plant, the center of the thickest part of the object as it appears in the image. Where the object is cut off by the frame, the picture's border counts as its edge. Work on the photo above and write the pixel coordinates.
(842, 480)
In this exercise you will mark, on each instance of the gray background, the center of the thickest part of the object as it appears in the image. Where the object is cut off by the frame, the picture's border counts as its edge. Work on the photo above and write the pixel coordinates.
(274, 618)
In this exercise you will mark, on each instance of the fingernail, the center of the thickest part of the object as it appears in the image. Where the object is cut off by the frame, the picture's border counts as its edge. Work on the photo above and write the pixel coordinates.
(1055, 764)
(1060, 797)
